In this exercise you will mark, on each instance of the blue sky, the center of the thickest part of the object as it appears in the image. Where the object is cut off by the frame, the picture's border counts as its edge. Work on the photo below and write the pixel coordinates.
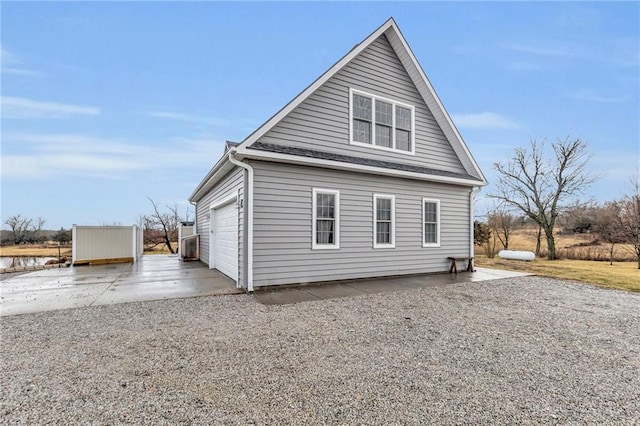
(105, 104)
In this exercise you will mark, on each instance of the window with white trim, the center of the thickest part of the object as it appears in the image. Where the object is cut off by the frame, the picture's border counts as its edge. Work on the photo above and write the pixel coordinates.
(326, 219)
(430, 222)
(381, 123)
(384, 221)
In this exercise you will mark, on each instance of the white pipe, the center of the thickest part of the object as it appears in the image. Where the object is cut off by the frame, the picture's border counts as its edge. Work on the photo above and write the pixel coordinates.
(249, 209)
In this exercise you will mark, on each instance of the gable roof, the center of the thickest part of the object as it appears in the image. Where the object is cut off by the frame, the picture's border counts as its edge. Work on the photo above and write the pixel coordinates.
(248, 148)
(417, 75)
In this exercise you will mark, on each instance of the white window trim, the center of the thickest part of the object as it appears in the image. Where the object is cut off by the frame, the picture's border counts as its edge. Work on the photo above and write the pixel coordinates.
(314, 245)
(437, 202)
(372, 145)
(377, 245)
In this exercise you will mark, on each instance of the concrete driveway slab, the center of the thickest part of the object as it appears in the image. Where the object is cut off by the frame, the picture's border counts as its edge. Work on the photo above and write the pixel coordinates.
(284, 296)
(166, 289)
(350, 288)
(379, 286)
(152, 278)
(333, 291)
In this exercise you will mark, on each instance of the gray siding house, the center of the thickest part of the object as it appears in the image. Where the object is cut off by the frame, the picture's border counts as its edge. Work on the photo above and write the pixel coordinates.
(363, 174)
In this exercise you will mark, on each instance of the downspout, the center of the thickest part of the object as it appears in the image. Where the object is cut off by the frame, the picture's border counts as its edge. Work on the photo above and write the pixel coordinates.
(472, 195)
(249, 169)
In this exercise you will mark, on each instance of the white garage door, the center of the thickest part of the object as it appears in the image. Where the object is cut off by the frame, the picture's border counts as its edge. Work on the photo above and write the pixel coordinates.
(225, 240)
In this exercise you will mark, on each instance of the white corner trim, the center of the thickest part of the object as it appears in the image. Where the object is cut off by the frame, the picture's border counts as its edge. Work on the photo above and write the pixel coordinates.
(314, 244)
(439, 222)
(392, 244)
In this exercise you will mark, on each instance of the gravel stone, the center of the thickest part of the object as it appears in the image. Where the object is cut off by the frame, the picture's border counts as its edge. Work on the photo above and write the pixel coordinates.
(524, 350)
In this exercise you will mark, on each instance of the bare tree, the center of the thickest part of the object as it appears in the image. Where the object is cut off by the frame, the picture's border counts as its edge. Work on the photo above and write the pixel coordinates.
(63, 236)
(25, 229)
(538, 240)
(579, 218)
(629, 218)
(35, 233)
(19, 227)
(539, 187)
(502, 223)
(162, 226)
(607, 224)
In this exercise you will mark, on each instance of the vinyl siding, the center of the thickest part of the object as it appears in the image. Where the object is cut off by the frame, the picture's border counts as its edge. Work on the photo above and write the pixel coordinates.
(321, 122)
(233, 183)
(283, 222)
(414, 73)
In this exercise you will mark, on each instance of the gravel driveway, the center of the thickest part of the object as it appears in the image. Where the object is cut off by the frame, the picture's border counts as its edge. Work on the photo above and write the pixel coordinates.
(522, 350)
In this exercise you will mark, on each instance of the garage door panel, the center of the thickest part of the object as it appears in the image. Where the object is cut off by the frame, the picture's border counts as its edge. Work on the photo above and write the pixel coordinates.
(226, 240)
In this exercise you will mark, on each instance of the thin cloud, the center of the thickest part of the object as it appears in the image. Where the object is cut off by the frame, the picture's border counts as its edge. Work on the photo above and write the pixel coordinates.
(24, 108)
(44, 155)
(484, 120)
(622, 52)
(188, 118)
(12, 65)
(591, 95)
(540, 49)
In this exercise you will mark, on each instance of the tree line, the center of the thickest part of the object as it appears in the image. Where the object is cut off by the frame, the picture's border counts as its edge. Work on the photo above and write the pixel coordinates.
(160, 227)
(543, 188)
(26, 230)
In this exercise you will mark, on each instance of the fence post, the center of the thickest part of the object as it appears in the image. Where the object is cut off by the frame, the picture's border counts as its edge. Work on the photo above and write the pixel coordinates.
(74, 241)
(134, 245)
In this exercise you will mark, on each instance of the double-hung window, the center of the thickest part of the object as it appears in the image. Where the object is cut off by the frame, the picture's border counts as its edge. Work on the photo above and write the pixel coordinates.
(430, 222)
(384, 221)
(326, 219)
(381, 123)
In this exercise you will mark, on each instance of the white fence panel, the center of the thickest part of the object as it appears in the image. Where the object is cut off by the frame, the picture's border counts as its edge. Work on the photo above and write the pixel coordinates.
(106, 243)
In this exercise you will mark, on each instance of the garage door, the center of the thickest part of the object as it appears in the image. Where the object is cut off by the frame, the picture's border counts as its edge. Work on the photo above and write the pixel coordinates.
(225, 240)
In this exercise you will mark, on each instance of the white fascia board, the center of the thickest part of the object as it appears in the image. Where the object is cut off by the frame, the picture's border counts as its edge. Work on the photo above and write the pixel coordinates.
(222, 167)
(430, 95)
(339, 165)
(313, 87)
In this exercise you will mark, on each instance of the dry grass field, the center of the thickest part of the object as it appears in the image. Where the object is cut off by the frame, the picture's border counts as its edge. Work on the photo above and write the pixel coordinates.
(35, 250)
(576, 247)
(160, 248)
(51, 250)
(620, 275)
(583, 259)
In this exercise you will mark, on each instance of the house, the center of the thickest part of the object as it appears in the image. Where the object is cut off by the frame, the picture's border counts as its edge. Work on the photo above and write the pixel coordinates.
(363, 174)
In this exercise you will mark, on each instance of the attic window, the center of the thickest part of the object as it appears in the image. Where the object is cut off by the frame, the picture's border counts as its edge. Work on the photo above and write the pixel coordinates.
(381, 123)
